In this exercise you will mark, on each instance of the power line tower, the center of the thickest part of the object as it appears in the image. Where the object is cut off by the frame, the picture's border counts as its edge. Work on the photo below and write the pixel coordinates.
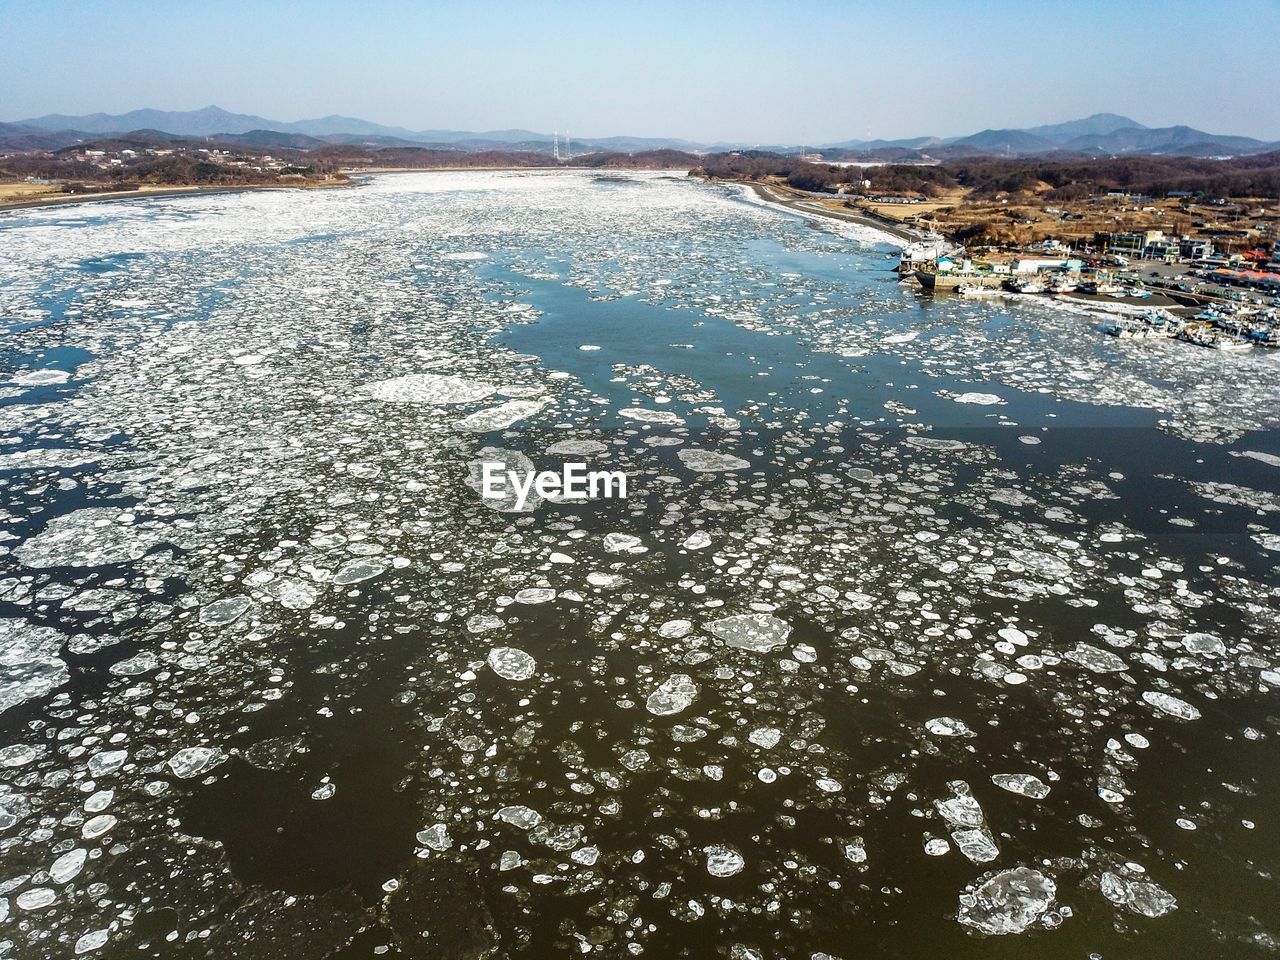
(555, 146)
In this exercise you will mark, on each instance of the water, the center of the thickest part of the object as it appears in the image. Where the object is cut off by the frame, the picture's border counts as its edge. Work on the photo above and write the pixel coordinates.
(928, 628)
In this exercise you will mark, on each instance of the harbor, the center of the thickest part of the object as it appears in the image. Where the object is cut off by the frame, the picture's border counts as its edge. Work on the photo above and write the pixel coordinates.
(1159, 306)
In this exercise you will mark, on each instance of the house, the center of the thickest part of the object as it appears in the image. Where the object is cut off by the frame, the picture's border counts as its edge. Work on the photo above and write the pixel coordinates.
(1036, 264)
(1143, 245)
(1195, 248)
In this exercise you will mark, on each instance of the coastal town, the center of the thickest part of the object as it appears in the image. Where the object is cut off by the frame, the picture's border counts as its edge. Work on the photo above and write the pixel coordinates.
(1202, 270)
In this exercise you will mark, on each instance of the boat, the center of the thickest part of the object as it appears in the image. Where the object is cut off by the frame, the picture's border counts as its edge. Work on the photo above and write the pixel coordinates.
(1026, 286)
(1200, 334)
(924, 251)
(936, 281)
(1232, 345)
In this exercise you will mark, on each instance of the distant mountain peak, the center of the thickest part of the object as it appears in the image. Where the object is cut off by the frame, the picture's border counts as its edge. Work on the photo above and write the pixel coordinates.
(1094, 125)
(1099, 133)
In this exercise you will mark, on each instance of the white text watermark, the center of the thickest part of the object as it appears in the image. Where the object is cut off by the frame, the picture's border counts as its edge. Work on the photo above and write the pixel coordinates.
(573, 481)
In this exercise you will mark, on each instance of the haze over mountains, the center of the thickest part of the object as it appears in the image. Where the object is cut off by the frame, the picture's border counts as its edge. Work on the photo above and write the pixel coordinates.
(1103, 134)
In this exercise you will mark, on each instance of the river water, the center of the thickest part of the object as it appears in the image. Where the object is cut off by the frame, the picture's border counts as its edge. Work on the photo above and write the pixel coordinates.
(927, 628)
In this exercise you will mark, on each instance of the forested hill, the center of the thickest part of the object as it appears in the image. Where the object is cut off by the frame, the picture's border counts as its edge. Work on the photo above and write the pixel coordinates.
(1253, 176)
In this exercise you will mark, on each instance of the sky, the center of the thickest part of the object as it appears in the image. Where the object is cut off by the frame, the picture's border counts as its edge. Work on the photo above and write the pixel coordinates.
(800, 72)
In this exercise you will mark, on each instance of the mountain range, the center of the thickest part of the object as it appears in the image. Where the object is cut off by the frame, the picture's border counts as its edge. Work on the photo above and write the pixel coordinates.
(1102, 134)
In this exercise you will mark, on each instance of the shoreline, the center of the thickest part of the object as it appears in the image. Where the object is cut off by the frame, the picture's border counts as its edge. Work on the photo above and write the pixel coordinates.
(59, 200)
(767, 195)
(370, 171)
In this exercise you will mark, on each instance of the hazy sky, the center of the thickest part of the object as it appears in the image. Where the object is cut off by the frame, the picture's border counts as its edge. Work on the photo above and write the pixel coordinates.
(806, 71)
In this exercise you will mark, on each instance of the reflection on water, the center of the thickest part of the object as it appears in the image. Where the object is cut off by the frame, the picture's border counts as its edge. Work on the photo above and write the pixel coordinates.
(929, 628)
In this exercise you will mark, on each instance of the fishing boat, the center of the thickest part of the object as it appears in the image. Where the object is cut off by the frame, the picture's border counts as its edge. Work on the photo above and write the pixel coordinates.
(1200, 334)
(975, 290)
(1025, 286)
(927, 250)
(937, 281)
(1232, 345)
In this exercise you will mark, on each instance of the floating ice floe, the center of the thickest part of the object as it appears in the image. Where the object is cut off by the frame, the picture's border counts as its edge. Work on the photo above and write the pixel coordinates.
(1024, 784)
(1173, 706)
(675, 629)
(356, 571)
(499, 417)
(675, 694)
(91, 537)
(98, 826)
(756, 632)
(938, 444)
(766, 737)
(698, 540)
(1095, 658)
(106, 762)
(963, 812)
(30, 664)
(623, 543)
(68, 866)
(577, 448)
(36, 898)
(1139, 895)
(294, 594)
(47, 457)
(520, 816)
(511, 663)
(723, 860)
(41, 378)
(980, 399)
(1203, 643)
(948, 727)
(708, 461)
(91, 941)
(225, 611)
(435, 837)
(1007, 902)
(19, 754)
(194, 761)
(142, 662)
(430, 388)
(643, 414)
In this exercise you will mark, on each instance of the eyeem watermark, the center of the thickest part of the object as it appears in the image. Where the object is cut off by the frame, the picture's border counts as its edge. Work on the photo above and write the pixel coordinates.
(574, 481)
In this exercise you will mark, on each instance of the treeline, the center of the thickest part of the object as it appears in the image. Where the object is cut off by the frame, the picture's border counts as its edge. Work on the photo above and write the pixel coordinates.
(821, 177)
(1256, 176)
(641, 160)
(989, 177)
(144, 170)
(427, 158)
